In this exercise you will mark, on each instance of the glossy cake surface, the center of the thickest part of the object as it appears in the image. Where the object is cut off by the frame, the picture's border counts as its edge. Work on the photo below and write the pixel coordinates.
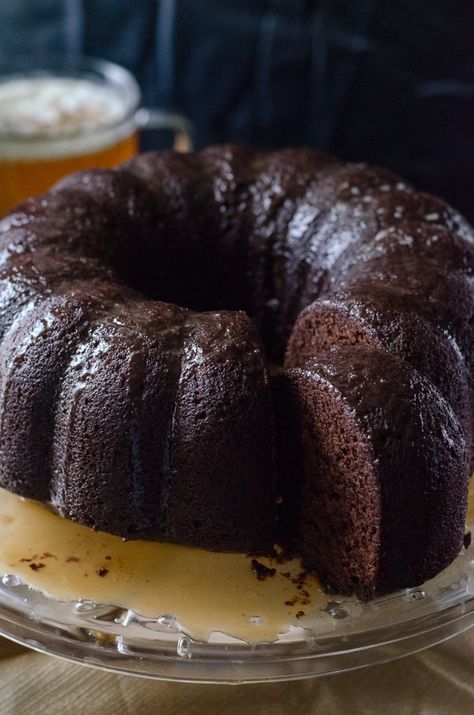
(139, 308)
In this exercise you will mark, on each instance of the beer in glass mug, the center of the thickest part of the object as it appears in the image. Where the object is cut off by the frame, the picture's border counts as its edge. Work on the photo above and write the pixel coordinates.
(64, 115)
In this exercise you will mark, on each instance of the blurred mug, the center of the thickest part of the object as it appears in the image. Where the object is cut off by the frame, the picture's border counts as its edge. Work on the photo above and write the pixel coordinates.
(63, 115)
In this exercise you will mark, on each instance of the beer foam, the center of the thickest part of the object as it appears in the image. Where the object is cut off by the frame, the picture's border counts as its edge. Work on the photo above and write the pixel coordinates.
(54, 106)
(54, 116)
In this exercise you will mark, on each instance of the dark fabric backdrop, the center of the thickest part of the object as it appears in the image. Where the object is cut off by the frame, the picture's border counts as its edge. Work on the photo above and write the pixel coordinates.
(388, 81)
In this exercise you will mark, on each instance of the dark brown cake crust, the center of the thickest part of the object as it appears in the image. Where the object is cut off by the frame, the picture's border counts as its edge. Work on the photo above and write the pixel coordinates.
(371, 317)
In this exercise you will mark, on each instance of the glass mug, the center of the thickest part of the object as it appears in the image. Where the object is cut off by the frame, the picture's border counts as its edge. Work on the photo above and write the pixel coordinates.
(64, 115)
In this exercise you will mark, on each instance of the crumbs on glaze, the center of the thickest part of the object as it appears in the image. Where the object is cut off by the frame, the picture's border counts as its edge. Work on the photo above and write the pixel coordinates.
(261, 571)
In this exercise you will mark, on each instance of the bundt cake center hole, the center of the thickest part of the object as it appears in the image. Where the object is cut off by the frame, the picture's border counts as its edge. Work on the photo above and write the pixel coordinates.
(202, 288)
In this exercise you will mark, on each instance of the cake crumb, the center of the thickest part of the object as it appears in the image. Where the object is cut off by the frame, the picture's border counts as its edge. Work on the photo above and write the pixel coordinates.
(102, 571)
(300, 614)
(36, 566)
(72, 559)
(261, 571)
(282, 556)
(301, 579)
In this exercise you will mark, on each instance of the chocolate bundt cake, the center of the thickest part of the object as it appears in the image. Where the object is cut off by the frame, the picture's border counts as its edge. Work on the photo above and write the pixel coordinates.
(141, 306)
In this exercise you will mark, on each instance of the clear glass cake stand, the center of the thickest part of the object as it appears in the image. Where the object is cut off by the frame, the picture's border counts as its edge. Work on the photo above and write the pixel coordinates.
(343, 636)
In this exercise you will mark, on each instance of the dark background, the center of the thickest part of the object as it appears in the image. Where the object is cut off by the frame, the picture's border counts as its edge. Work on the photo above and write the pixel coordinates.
(387, 81)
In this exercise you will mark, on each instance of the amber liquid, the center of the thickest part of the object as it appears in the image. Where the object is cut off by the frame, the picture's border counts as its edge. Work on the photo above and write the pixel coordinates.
(24, 177)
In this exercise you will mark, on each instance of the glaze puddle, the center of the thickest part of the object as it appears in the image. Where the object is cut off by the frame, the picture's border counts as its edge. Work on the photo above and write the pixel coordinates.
(202, 590)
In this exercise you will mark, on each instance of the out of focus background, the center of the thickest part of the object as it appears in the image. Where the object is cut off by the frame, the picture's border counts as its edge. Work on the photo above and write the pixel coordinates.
(385, 81)
(389, 82)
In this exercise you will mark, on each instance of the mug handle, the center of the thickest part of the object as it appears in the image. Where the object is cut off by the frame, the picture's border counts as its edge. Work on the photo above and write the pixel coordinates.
(147, 118)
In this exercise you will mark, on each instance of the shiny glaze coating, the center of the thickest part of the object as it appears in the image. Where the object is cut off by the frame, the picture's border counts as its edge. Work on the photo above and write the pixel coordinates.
(129, 369)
